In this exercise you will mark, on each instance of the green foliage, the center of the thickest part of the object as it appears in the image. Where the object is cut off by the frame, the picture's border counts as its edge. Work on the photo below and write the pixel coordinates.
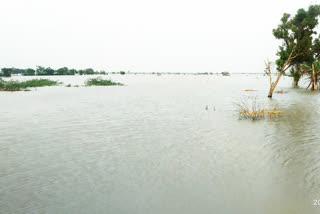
(62, 71)
(29, 72)
(17, 86)
(72, 72)
(17, 71)
(225, 73)
(40, 70)
(100, 82)
(46, 71)
(89, 71)
(6, 72)
(38, 83)
(316, 64)
(204, 73)
(9, 85)
(297, 32)
(295, 73)
(122, 72)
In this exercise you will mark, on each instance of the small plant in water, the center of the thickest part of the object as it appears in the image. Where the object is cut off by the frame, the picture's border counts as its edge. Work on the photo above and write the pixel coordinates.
(100, 82)
(251, 108)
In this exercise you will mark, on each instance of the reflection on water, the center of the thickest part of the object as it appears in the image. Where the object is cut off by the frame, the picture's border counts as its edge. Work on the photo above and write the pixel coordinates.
(152, 147)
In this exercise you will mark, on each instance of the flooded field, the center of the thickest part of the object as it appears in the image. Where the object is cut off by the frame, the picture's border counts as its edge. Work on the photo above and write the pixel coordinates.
(159, 144)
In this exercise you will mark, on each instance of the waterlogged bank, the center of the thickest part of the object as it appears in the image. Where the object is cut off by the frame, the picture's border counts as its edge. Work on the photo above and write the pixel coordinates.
(152, 147)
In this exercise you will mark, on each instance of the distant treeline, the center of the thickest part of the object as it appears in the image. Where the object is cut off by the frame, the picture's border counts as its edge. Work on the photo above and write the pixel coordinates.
(42, 71)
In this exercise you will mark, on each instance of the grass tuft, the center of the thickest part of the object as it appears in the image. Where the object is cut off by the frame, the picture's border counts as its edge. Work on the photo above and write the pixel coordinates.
(251, 108)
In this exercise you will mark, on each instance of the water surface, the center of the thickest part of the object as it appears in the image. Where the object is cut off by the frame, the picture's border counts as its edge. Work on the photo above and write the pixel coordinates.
(160, 144)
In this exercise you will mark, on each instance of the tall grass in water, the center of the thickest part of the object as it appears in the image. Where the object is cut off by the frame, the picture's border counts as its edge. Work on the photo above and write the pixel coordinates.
(14, 85)
(100, 82)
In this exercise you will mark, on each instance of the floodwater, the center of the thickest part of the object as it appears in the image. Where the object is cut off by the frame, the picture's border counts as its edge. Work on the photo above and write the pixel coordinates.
(160, 144)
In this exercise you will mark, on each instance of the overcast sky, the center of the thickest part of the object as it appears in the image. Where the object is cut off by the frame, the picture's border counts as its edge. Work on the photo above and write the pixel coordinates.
(142, 35)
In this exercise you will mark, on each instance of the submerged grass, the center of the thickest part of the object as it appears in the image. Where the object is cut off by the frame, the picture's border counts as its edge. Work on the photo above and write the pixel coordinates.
(14, 85)
(100, 82)
(251, 108)
(280, 92)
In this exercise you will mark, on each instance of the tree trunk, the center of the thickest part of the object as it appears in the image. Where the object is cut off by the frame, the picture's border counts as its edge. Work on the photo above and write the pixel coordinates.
(313, 79)
(270, 92)
(273, 86)
(296, 78)
(283, 69)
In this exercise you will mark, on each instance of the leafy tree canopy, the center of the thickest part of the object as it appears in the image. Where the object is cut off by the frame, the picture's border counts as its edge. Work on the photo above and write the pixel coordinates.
(297, 33)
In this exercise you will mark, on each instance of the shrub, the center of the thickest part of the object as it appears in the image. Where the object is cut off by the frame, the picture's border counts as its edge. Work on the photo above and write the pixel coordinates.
(6, 72)
(9, 85)
(13, 85)
(100, 82)
(251, 108)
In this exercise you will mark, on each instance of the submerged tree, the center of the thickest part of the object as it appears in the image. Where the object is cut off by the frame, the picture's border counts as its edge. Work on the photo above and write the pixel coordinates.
(295, 73)
(6, 72)
(298, 45)
(313, 73)
(29, 72)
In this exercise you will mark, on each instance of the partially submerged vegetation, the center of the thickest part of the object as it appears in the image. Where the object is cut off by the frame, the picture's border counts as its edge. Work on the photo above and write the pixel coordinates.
(300, 49)
(14, 85)
(100, 82)
(251, 108)
(225, 73)
(255, 115)
(280, 92)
